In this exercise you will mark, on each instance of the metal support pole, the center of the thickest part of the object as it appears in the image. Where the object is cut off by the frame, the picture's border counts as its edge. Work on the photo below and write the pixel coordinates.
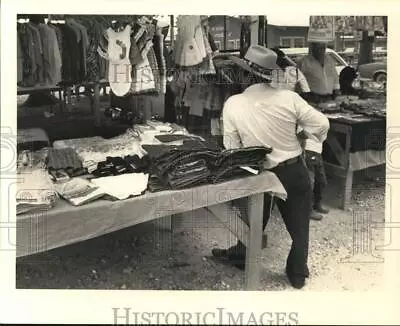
(225, 33)
(172, 30)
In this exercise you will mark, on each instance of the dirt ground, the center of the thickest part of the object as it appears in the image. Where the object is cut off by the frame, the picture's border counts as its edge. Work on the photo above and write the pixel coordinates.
(342, 256)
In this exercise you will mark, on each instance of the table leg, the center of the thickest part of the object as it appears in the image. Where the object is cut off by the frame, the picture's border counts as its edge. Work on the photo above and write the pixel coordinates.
(97, 115)
(164, 222)
(348, 185)
(163, 237)
(69, 100)
(253, 254)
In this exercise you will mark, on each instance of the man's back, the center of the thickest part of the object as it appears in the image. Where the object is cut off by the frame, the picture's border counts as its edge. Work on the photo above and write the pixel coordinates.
(264, 116)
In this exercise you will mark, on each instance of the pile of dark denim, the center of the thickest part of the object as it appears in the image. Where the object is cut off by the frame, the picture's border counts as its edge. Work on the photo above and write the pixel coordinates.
(196, 163)
(230, 163)
(121, 165)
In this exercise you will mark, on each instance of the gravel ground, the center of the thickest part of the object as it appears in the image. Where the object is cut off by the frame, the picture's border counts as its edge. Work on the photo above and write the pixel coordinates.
(147, 257)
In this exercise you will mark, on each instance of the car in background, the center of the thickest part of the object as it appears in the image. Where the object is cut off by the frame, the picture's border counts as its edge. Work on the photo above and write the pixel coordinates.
(375, 71)
(296, 54)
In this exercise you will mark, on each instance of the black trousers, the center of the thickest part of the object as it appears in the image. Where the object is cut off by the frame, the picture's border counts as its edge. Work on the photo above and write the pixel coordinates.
(295, 212)
(315, 165)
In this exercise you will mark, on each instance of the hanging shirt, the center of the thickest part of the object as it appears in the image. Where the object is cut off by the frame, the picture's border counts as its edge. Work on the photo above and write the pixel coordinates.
(323, 80)
(189, 45)
(20, 59)
(37, 48)
(45, 52)
(119, 73)
(70, 55)
(264, 116)
(55, 57)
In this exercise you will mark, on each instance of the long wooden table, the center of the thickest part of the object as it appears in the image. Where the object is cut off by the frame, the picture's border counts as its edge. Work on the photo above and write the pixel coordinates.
(66, 224)
(353, 146)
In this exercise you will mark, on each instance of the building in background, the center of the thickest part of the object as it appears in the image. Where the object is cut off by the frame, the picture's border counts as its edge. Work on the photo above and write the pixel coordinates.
(217, 27)
(287, 36)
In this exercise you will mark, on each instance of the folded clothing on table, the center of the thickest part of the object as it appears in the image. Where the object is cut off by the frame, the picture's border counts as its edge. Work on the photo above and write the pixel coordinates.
(32, 139)
(35, 192)
(176, 167)
(79, 191)
(118, 165)
(65, 159)
(123, 186)
(233, 163)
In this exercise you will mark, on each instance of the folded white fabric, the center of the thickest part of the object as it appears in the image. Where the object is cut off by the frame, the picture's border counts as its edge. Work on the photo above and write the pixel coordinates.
(79, 191)
(123, 186)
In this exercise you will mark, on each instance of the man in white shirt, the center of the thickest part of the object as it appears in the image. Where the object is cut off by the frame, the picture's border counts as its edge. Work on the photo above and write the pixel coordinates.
(266, 116)
(323, 79)
(320, 72)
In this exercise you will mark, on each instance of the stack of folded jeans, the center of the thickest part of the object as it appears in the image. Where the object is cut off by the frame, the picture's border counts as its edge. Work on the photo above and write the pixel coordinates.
(177, 167)
(230, 163)
(181, 168)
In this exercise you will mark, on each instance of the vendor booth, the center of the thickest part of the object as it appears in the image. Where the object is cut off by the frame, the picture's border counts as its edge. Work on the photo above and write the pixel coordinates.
(168, 161)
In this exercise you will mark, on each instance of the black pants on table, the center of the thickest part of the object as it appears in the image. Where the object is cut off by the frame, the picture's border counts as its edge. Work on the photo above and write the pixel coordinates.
(295, 212)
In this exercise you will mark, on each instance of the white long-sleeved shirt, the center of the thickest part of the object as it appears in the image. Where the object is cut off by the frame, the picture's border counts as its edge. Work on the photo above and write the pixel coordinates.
(323, 80)
(264, 116)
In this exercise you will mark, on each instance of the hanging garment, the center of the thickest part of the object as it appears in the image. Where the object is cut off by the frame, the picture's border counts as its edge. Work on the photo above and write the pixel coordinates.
(45, 52)
(135, 56)
(208, 66)
(158, 41)
(37, 45)
(144, 38)
(189, 47)
(194, 98)
(83, 44)
(94, 30)
(20, 61)
(151, 56)
(119, 72)
(51, 55)
(71, 55)
(142, 78)
(31, 78)
(59, 36)
(26, 59)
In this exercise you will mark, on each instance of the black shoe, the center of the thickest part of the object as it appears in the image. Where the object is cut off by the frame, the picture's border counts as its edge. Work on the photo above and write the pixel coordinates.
(315, 216)
(318, 208)
(229, 256)
(296, 281)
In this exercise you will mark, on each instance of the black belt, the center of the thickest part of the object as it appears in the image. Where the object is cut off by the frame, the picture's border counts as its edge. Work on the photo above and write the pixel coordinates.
(290, 161)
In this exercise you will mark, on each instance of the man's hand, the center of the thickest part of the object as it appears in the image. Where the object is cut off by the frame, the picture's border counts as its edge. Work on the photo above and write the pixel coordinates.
(302, 135)
(336, 92)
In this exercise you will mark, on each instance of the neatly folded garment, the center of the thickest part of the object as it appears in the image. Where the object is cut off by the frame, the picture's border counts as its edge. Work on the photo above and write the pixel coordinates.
(63, 159)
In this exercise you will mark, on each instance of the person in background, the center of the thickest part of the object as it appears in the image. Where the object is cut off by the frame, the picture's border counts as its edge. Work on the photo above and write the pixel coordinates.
(322, 77)
(291, 77)
(346, 78)
(266, 116)
(320, 72)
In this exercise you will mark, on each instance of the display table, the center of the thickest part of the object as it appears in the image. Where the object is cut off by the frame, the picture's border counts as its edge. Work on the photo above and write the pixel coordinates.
(66, 224)
(353, 145)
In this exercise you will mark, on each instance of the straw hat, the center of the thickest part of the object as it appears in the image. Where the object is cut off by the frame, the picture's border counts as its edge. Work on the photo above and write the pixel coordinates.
(258, 60)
